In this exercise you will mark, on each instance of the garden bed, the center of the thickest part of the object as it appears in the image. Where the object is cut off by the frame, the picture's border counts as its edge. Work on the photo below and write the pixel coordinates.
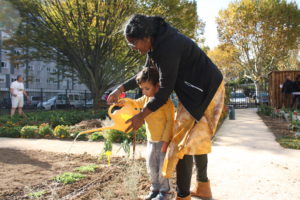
(280, 128)
(30, 175)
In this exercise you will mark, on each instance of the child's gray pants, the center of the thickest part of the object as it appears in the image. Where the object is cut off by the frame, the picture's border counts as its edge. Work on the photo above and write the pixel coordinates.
(155, 159)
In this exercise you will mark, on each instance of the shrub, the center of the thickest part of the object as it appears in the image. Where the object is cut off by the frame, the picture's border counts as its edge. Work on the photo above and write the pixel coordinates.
(29, 131)
(61, 131)
(10, 127)
(45, 130)
(69, 177)
(115, 136)
(265, 110)
(140, 135)
(13, 132)
(97, 136)
(296, 125)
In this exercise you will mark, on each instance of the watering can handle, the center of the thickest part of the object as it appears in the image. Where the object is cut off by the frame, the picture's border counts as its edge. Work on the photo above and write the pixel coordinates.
(123, 99)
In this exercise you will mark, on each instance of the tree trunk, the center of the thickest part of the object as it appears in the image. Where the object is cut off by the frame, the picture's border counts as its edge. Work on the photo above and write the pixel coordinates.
(258, 97)
(98, 102)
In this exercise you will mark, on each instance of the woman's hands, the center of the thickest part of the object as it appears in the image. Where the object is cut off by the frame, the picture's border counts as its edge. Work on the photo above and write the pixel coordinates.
(113, 97)
(138, 120)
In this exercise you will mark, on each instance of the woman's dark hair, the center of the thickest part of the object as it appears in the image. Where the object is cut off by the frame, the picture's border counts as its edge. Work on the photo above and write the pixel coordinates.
(148, 74)
(140, 26)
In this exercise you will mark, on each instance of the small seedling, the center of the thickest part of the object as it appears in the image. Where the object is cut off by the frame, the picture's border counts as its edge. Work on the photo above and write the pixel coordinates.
(69, 177)
(87, 168)
(36, 194)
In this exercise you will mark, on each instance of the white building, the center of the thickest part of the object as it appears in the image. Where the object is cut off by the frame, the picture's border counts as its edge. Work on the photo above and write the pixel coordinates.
(42, 77)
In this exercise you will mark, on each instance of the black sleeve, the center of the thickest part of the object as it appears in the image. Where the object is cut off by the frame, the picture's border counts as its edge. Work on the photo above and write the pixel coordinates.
(283, 88)
(168, 64)
(130, 84)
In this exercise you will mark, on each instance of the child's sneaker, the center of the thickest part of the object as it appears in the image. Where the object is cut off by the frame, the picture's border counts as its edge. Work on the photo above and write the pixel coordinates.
(163, 196)
(152, 195)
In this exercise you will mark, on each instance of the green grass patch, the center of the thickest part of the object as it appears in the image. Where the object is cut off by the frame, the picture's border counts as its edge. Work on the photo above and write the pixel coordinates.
(289, 142)
(38, 194)
(69, 177)
(87, 168)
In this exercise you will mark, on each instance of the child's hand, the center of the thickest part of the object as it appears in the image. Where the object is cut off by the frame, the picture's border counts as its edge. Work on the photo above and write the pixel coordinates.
(164, 147)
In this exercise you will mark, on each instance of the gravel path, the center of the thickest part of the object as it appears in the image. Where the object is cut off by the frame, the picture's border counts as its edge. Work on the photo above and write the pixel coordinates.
(246, 163)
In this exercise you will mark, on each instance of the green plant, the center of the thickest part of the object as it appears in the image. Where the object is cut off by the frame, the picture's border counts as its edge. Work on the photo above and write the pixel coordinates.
(140, 135)
(125, 145)
(69, 177)
(36, 194)
(296, 125)
(87, 168)
(13, 132)
(289, 142)
(10, 127)
(45, 130)
(97, 136)
(265, 110)
(114, 136)
(61, 131)
(29, 131)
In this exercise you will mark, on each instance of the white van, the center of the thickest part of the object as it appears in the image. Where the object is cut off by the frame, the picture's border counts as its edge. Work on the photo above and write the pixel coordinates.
(73, 100)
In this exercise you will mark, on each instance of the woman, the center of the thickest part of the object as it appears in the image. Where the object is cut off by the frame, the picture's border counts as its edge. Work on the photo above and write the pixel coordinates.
(184, 68)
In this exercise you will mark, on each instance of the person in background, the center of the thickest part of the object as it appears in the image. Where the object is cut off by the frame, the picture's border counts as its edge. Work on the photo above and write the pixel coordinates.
(17, 92)
(287, 90)
(296, 97)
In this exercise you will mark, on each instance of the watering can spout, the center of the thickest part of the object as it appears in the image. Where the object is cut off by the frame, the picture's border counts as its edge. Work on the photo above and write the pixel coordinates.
(96, 130)
(129, 108)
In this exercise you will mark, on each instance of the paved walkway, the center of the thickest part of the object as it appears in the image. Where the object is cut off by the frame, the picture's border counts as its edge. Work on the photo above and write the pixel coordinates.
(246, 162)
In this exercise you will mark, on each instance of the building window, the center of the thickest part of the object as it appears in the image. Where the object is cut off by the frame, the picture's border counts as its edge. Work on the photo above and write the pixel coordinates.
(48, 69)
(3, 64)
(17, 52)
(37, 80)
(2, 80)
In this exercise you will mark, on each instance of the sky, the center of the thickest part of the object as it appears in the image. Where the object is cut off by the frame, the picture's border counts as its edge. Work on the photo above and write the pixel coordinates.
(208, 11)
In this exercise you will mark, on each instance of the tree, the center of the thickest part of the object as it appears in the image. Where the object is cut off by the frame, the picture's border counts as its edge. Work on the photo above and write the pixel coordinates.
(181, 14)
(9, 17)
(84, 37)
(225, 56)
(263, 32)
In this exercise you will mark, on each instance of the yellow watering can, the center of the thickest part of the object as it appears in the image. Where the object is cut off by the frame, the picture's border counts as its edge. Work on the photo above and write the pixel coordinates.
(128, 110)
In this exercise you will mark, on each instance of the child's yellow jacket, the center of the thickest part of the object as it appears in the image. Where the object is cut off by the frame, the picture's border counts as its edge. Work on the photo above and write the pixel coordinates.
(160, 123)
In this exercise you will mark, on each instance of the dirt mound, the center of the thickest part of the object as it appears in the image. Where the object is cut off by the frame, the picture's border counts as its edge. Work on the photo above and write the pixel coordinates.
(86, 124)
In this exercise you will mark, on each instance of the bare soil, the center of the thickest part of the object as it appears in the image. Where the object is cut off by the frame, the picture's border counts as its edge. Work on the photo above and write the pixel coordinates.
(24, 172)
(278, 126)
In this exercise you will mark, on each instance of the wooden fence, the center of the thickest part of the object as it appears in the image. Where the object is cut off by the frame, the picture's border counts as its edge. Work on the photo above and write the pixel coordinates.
(276, 80)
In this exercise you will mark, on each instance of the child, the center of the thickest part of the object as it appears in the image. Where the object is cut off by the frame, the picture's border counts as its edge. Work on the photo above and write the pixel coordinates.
(159, 127)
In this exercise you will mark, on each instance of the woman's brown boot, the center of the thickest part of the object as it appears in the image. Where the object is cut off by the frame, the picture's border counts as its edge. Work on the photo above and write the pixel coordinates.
(202, 190)
(183, 198)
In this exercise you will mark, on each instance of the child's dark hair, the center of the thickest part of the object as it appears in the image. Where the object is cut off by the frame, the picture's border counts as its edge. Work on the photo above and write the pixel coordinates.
(148, 74)
(141, 26)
